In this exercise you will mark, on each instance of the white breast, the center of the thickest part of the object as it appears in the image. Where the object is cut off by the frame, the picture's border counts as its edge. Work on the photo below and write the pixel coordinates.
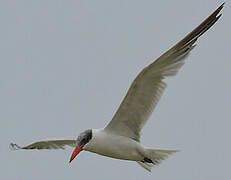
(114, 146)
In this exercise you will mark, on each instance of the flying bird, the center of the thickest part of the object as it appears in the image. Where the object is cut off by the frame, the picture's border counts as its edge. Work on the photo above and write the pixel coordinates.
(120, 138)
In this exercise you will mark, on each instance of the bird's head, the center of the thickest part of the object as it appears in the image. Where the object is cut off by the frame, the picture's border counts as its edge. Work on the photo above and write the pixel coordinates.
(81, 141)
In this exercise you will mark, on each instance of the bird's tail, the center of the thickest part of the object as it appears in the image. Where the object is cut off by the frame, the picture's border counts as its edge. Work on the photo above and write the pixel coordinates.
(154, 157)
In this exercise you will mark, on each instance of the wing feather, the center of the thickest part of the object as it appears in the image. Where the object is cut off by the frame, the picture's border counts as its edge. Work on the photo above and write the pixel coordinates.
(49, 144)
(147, 88)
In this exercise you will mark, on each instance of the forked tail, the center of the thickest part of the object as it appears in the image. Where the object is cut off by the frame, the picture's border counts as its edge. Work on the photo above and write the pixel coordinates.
(154, 157)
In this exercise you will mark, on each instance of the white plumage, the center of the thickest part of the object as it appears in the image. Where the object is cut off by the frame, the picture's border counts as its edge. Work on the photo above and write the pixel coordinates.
(121, 137)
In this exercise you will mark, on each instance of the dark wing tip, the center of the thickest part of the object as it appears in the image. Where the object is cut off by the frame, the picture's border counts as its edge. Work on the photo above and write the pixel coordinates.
(222, 5)
(219, 8)
(14, 146)
(217, 11)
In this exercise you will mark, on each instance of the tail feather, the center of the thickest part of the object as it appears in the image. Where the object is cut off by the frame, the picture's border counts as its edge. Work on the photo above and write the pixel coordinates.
(157, 156)
(147, 166)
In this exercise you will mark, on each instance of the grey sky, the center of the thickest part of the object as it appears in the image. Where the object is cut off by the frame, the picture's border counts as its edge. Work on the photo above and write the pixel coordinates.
(66, 65)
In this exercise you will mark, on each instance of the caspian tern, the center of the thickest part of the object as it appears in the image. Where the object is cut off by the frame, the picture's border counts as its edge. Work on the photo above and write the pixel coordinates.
(120, 139)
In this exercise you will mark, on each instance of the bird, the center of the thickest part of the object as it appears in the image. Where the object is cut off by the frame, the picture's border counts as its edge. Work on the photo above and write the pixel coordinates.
(120, 138)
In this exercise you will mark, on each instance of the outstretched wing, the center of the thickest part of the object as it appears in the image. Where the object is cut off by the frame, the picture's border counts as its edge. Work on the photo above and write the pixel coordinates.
(147, 88)
(50, 144)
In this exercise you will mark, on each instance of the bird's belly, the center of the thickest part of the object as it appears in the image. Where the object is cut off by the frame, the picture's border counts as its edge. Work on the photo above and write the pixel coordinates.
(116, 147)
(117, 152)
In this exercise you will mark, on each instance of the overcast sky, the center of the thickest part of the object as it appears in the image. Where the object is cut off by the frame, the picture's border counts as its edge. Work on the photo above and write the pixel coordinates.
(66, 65)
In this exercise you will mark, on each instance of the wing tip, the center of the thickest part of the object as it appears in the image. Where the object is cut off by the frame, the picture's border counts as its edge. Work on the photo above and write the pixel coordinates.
(219, 9)
(222, 5)
(14, 147)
